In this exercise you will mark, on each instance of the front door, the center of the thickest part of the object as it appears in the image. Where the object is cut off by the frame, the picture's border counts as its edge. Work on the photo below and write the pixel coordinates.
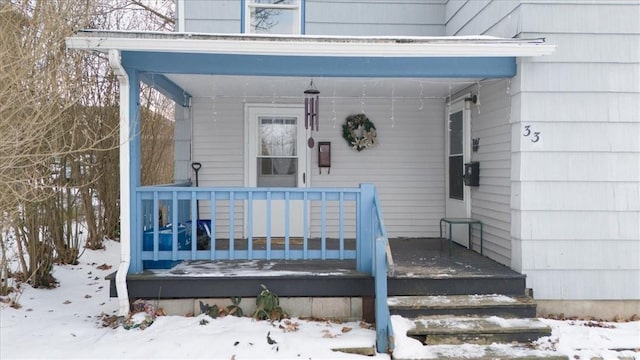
(277, 157)
(457, 144)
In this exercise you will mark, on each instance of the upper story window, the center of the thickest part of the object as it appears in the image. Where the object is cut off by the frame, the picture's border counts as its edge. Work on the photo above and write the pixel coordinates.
(273, 17)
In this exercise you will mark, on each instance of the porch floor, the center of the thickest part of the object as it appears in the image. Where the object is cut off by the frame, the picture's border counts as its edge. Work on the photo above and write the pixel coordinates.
(420, 269)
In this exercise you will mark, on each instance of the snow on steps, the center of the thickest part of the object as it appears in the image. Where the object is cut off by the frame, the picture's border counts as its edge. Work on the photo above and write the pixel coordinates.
(487, 324)
(468, 305)
(477, 330)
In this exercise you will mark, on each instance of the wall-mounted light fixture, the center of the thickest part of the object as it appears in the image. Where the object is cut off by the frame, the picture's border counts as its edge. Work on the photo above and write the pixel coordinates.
(473, 99)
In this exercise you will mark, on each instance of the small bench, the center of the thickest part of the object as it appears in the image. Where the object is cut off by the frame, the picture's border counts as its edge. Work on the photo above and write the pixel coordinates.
(455, 221)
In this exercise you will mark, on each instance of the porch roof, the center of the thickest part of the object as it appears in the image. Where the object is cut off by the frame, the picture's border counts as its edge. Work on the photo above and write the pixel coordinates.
(168, 60)
(309, 45)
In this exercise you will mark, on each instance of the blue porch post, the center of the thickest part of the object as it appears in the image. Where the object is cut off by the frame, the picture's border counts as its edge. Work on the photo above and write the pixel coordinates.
(135, 231)
(364, 260)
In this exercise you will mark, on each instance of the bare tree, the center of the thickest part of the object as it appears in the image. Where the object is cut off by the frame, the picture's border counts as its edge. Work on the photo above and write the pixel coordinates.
(37, 92)
(58, 130)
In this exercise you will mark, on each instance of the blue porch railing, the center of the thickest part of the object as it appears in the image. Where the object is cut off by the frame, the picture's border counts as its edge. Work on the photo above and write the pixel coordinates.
(382, 265)
(166, 232)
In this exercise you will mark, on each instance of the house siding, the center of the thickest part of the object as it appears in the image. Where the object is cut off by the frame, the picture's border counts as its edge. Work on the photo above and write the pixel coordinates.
(490, 202)
(220, 16)
(406, 166)
(576, 192)
(482, 17)
(182, 146)
(330, 17)
(375, 17)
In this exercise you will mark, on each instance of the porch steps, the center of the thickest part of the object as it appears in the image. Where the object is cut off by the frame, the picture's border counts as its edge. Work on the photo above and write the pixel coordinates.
(481, 331)
(486, 352)
(463, 305)
(481, 321)
(508, 283)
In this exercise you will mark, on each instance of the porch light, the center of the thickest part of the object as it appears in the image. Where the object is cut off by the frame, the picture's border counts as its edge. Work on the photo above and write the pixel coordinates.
(311, 107)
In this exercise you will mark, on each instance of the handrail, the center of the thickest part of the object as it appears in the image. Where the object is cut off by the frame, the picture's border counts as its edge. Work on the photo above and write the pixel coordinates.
(383, 263)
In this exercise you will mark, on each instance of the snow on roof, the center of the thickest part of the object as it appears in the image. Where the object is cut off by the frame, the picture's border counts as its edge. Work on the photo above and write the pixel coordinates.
(311, 45)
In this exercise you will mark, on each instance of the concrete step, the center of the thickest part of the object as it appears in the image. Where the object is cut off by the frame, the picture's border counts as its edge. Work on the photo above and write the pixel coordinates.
(473, 330)
(490, 352)
(463, 305)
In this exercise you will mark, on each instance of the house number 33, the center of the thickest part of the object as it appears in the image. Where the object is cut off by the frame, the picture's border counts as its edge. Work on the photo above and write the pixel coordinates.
(535, 135)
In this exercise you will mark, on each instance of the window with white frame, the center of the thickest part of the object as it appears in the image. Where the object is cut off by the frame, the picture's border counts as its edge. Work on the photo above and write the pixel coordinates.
(273, 16)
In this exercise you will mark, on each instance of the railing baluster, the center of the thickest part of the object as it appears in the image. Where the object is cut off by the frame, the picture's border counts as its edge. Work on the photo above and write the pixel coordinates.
(323, 221)
(231, 225)
(268, 225)
(305, 226)
(286, 225)
(213, 225)
(174, 222)
(156, 226)
(341, 224)
(137, 241)
(194, 224)
(250, 225)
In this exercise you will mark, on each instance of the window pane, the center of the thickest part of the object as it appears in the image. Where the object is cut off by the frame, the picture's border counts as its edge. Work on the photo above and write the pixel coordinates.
(278, 136)
(456, 183)
(455, 134)
(277, 172)
(277, 2)
(274, 21)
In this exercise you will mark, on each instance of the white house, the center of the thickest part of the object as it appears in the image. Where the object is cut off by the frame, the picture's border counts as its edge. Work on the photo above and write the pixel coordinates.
(543, 95)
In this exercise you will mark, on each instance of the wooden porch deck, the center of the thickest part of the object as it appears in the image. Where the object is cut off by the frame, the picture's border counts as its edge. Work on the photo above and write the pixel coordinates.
(420, 269)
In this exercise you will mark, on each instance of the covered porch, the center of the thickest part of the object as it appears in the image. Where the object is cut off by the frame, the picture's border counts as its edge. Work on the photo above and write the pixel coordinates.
(221, 83)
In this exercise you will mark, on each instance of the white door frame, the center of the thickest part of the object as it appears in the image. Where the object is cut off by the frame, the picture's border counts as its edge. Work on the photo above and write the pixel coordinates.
(455, 207)
(252, 111)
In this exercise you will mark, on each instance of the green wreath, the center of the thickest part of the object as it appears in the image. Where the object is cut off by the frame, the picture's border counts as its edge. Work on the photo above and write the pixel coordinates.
(359, 132)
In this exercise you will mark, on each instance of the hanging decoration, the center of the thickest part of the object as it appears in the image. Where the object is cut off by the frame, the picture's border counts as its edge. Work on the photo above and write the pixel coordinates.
(311, 111)
(359, 132)
(311, 107)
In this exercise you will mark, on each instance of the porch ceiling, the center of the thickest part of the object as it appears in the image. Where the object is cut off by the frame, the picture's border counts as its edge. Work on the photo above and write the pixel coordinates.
(252, 87)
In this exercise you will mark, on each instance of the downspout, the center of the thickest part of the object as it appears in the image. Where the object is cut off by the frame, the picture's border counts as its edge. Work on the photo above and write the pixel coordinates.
(125, 196)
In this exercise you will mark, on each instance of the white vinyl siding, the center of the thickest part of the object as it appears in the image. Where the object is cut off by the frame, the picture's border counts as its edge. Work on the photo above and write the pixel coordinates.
(218, 143)
(182, 146)
(576, 192)
(406, 166)
(219, 16)
(330, 17)
(375, 17)
(490, 202)
(483, 17)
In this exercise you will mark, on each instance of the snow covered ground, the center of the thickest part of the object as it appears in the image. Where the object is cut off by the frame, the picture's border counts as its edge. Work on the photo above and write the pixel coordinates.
(66, 323)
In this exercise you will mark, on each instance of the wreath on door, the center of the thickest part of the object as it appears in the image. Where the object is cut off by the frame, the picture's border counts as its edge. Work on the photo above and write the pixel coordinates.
(359, 132)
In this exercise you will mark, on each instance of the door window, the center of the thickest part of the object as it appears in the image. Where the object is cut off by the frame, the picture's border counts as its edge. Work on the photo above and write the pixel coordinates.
(277, 164)
(456, 156)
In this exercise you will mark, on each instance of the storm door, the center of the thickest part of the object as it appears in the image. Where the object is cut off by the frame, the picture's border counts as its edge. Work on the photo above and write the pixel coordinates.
(277, 157)
(457, 144)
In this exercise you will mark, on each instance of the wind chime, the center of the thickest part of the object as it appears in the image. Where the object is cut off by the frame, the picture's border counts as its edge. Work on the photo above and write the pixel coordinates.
(311, 110)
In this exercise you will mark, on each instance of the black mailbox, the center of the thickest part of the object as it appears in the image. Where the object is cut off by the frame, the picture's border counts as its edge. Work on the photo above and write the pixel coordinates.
(472, 173)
